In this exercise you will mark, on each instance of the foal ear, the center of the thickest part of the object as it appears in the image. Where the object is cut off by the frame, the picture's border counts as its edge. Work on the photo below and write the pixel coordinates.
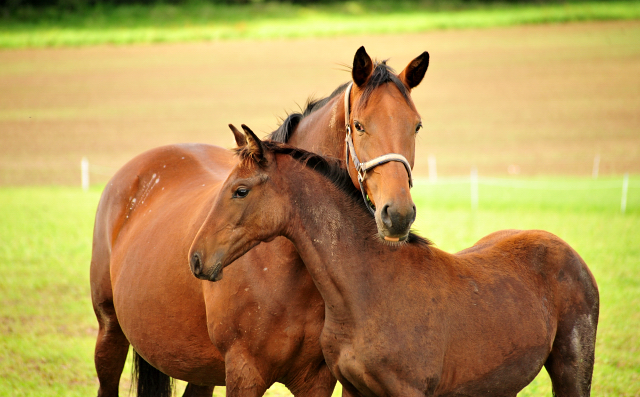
(254, 144)
(413, 74)
(240, 139)
(362, 67)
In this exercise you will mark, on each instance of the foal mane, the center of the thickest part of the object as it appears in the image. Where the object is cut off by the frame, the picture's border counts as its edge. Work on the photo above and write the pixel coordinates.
(333, 169)
(382, 73)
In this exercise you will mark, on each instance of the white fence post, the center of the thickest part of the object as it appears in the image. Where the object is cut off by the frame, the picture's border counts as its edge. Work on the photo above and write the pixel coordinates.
(474, 188)
(596, 166)
(433, 173)
(84, 170)
(625, 189)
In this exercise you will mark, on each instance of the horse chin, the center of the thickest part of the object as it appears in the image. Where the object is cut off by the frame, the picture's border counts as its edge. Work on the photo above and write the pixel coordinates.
(216, 274)
(393, 240)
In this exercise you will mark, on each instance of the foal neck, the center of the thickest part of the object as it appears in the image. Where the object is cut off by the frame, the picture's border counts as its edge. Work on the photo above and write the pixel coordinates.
(337, 240)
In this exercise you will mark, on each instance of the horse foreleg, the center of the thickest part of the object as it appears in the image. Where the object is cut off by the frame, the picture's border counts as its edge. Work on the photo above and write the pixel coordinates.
(197, 391)
(242, 376)
(111, 350)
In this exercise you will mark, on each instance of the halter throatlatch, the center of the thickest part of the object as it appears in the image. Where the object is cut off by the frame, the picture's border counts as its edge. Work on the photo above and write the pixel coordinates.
(362, 168)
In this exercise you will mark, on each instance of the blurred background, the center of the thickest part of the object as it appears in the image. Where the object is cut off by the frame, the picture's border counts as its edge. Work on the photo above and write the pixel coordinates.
(541, 98)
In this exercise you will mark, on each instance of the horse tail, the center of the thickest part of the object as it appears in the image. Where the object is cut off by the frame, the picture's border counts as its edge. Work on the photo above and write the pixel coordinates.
(150, 381)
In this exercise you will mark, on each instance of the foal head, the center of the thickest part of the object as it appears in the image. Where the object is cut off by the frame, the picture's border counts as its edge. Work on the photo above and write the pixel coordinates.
(382, 123)
(249, 208)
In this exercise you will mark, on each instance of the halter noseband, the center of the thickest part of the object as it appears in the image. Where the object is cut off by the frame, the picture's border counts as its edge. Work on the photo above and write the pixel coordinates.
(362, 168)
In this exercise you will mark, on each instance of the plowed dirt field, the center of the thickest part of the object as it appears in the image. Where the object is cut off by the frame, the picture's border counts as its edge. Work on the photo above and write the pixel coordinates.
(532, 99)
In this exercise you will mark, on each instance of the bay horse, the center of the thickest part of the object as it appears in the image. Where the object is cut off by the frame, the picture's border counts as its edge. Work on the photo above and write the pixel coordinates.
(407, 319)
(262, 324)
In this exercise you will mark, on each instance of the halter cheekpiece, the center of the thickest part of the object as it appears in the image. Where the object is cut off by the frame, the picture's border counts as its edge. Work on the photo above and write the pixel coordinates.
(362, 168)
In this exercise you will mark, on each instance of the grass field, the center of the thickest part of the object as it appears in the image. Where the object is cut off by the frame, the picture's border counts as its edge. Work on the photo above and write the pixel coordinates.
(47, 327)
(546, 98)
(202, 21)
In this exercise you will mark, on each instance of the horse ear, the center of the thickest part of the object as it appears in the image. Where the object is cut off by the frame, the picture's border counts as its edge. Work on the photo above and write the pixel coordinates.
(413, 74)
(254, 144)
(362, 67)
(240, 139)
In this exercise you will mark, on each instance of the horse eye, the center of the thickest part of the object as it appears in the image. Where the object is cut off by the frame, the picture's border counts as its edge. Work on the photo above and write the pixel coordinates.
(241, 192)
(419, 127)
(358, 126)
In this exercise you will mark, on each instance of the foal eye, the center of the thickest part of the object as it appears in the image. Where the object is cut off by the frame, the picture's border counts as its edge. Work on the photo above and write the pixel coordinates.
(418, 127)
(358, 126)
(241, 192)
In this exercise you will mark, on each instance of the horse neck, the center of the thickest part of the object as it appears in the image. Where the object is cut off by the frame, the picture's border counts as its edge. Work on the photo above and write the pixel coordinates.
(323, 130)
(336, 240)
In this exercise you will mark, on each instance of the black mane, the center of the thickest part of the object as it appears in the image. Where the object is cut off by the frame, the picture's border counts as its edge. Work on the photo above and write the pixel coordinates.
(382, 73)
(331, 168)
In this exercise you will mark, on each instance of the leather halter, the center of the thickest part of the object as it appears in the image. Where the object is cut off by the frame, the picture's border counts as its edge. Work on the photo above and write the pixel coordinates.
(362, 168)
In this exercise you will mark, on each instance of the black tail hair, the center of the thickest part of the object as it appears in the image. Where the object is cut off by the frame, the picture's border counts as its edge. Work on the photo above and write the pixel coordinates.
(150, 381)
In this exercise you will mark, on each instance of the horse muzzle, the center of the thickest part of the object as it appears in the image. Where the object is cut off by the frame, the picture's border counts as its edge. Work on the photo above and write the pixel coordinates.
(203, 272)
(395, 223)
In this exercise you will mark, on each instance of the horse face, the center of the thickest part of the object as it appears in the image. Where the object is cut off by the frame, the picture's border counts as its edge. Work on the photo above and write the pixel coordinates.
(387, 124)
(385, 121)
(241, 217)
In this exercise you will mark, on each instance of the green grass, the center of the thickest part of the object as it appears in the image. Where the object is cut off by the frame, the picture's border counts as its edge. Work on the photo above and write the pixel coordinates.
(47, 326)
(202, 21)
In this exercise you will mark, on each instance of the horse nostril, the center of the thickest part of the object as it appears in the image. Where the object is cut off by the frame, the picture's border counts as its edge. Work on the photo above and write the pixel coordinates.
(196, 264)
(385, 217)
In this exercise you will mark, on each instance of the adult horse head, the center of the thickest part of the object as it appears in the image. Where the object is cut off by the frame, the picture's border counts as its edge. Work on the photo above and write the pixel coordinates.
(372, 122)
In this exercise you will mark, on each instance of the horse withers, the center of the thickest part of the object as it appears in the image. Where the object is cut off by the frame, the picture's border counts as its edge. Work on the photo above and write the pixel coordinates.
(409, 319)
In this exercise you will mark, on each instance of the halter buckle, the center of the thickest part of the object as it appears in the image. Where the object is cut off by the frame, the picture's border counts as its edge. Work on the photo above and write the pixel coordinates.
(362, 173)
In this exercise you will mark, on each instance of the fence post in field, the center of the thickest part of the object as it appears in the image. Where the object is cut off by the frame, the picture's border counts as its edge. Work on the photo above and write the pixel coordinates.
(474, 188)
(596, 166)
(433, 173)
(625, 189)
(84, 170)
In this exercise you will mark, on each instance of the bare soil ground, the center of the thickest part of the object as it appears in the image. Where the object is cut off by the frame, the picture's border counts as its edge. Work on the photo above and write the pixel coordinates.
(546, 99)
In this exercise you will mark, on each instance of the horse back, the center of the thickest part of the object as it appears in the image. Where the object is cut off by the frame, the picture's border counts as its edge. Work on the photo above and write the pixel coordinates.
(546, 263)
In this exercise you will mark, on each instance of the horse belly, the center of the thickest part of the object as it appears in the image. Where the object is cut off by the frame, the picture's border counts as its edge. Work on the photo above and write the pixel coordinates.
(501, 356)
(508, 379)
(166, 324)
